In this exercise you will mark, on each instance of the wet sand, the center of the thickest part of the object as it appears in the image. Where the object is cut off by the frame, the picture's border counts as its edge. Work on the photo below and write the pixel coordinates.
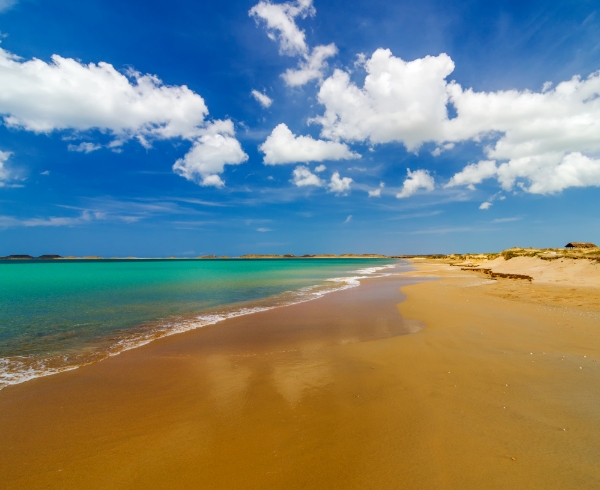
(342, 392)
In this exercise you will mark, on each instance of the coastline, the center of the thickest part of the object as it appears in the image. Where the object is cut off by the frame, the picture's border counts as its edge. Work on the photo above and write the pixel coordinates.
(17, 369)
(96, 258)
(330, 394)
(183, 398)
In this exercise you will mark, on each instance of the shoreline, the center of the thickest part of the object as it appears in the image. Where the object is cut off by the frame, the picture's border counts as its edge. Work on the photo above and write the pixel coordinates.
(183, 393)
(331, 394)
(243, 257)
(14, 371)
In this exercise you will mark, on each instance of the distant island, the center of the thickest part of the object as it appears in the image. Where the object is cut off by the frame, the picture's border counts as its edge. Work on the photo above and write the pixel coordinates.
(573, 250)
(213, 257)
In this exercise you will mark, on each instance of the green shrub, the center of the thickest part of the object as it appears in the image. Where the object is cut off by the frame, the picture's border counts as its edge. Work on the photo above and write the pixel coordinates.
(509, 254)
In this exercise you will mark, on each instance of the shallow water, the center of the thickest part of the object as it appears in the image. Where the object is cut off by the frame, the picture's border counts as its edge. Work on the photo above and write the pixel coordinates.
(57, 315)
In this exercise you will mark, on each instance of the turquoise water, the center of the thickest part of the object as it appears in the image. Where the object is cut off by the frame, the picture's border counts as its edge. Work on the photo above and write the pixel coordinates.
(57, 315)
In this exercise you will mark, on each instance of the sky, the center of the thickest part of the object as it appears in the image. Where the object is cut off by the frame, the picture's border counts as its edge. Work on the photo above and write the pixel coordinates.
(311, 126)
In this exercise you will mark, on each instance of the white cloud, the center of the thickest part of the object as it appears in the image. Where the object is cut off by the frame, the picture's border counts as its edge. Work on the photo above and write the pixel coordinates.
(7, 4)
(361, 59)
(551, 173)
(506, 220)
(311, 68)
(5, 174)
(543, 142)
(474, 173)
(280, 20)
(546, 174)
(85, 217)
(377, 192)
(281, 25)
(544, 136)
(419, 179)
(302, 176)
(45, 172)
(438, 151)
(320, 168)
(282, 146)
(85, 147)
(339, 185)
(67, 95)
(400, 101)
(348, 219)
(263, 230)
(263, 99)
(485, 205)
(215, 148)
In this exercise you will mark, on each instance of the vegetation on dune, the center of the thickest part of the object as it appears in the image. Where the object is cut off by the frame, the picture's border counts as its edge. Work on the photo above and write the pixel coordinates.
(473, 260)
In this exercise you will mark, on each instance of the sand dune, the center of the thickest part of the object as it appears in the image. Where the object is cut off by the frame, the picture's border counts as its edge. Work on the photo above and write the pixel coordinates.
(562, 270)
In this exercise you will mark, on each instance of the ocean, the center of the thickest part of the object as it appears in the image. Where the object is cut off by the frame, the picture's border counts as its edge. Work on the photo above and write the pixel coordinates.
(58, 315)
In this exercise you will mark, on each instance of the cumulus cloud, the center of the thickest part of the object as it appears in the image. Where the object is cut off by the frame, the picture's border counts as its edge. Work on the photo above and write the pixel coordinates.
(339, 185)
(281, 25)
(399, 101)
(377, 192)
(67, 95)
(545, 136)
(543, 142)
(320, 168)
(311, 68)
(263, 99)
(7, 4)
(551, 173)
(566, 118)
(419, 179)
(545, 174)
(474, 173)
(302, 176)
(280, 21)
(215, 148)
(485, 205)
(282, 146)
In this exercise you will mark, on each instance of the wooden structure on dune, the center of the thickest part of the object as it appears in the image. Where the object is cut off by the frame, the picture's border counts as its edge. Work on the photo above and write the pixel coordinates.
(572, 245)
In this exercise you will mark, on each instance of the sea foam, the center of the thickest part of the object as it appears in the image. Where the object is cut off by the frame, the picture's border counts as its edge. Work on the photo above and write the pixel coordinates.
(19, 369)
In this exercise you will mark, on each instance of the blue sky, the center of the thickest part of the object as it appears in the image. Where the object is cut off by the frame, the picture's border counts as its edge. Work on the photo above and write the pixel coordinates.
(389, 127)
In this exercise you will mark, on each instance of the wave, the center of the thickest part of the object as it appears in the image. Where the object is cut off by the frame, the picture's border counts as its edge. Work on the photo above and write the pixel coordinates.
(19, 369)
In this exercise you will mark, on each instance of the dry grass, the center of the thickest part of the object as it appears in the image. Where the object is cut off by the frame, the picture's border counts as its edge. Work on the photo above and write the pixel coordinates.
(470, 259)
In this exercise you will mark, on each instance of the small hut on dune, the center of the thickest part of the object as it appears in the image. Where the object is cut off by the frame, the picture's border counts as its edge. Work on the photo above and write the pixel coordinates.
(572, 245)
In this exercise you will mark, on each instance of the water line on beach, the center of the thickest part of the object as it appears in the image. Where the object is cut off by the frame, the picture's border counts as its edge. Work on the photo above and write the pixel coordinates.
(19, 369)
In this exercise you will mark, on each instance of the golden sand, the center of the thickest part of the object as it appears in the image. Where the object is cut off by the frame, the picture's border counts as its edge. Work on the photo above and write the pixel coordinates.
(499, 391)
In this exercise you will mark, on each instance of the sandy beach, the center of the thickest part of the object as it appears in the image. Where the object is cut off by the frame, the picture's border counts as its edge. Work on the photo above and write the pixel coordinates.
(434, 379)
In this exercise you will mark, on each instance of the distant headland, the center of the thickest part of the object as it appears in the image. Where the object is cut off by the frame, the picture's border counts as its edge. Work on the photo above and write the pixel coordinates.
(573, 250)
(210, 257)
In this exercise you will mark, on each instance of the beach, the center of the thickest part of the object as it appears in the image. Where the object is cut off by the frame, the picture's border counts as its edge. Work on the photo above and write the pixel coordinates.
(437, 378)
